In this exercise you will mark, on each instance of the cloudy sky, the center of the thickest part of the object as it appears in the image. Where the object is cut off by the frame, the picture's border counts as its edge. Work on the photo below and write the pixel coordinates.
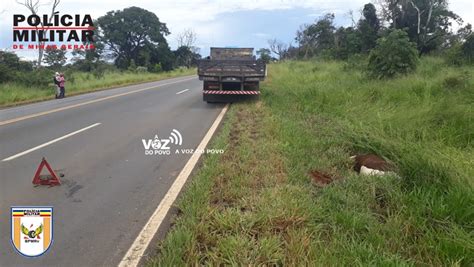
(233, 23)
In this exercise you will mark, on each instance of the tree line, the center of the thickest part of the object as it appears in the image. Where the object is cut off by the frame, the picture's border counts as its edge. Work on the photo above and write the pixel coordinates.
(390, 36)
(131, 39)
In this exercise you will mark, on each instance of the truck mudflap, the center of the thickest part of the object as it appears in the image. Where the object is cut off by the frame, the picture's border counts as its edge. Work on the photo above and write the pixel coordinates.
(217, 96)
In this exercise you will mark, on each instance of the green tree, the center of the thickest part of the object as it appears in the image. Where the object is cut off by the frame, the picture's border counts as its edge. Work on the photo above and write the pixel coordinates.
(56, 58)
(129, 32)
(12, 68)
(132, 67)
(184, 56)
(87, 60)
(393, 54)
(187, 53)
(368, 28)
(468, 49)
(347, 43)
(264, 54)
(454, 54)
(13, 62)
(318, 37)
(427, 22)
(161, 54)
(90, 59)
(11, 65)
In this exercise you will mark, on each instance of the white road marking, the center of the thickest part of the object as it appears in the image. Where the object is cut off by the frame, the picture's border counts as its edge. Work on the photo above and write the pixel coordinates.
(86, 103)
(136, 251)
(180, 92)
(51, 142)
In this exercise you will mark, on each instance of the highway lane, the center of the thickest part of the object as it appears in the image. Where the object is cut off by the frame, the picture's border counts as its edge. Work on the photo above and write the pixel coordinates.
(110, 187)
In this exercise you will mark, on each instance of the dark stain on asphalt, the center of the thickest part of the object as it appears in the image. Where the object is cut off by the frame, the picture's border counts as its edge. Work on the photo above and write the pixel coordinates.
(73, 187)
(73, 190)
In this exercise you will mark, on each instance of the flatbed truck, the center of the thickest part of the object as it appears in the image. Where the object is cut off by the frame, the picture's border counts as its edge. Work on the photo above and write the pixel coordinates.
(231, 75)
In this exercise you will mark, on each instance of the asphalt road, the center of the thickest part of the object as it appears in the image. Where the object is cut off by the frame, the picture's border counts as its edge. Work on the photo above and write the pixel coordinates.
(110, 187)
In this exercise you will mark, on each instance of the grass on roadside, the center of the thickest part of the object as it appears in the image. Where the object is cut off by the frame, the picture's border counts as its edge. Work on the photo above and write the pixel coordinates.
(255, 204)
(14, 93)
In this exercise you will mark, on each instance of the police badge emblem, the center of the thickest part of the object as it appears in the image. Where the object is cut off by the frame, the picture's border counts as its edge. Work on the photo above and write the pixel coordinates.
(31, 230)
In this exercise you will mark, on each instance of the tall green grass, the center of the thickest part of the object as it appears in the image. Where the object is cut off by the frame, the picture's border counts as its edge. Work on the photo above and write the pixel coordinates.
(422, 122)
(256, 203)
(80, 82)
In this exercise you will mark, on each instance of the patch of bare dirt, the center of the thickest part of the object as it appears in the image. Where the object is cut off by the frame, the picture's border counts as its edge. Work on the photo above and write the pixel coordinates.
(322, 179)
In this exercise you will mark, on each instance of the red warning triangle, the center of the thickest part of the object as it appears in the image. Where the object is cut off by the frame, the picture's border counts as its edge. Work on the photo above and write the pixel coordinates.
(51, 179)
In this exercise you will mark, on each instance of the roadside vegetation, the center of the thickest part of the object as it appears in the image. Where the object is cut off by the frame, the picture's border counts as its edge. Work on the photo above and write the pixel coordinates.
(258, 204)
(13, 93)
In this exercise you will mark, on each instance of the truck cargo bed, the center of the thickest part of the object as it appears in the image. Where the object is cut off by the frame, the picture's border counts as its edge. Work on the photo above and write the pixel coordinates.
(228, 70)
(231, 74)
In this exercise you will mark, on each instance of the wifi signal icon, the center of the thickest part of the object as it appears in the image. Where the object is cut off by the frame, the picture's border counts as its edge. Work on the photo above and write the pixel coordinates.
(176, 138)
